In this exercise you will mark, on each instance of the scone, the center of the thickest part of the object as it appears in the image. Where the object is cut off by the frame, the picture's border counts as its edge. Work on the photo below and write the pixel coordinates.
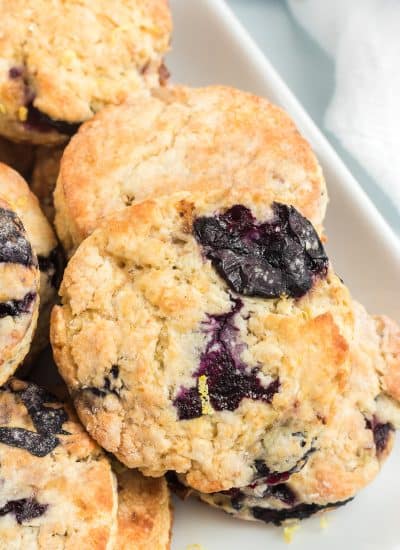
(144, 512)
(44, 243)
(175, 139)
(197, 326)
(19, 291)
(20, 156)
(44, 177)
(346, 457)
(60, 490)
(63, 61)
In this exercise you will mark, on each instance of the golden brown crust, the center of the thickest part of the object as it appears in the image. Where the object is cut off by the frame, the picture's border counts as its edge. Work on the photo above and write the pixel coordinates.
(136, 295)
(346, 456)
(70, 59)
(389, 338)
(144, 512)
(177, 139)
(44, 177)
(74, 483)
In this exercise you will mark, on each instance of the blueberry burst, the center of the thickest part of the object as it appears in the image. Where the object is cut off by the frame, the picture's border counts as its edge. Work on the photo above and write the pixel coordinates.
(281, 256)
(223, 379)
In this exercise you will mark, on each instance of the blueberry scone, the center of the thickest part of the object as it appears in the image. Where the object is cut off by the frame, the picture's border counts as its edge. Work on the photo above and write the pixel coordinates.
(44, 243)
(20, 156)
(60, 490)
(348, 452)
(144, 512)
(197, 329)
(19, 291)
(63, 61)
(175, 139)
(44, 177)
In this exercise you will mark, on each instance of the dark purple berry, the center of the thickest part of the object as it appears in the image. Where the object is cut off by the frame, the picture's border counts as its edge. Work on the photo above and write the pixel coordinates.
(14, 247)
(188, 403)
(13, 308)
(114, 371)
(280, 256)
(47, 420)
(264, 474)
(111, 384)
(301, 511)
(283, 493)
(15, 72)
(381, 433)
(24, 509)
(40, 122)
(96, 391)
(35, 443)
(228, 379)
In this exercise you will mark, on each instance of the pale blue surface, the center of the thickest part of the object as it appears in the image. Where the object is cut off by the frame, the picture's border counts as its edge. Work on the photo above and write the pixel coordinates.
(308, 72)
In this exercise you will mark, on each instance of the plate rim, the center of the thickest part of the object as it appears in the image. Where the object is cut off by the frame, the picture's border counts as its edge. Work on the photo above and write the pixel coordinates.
(326, 154)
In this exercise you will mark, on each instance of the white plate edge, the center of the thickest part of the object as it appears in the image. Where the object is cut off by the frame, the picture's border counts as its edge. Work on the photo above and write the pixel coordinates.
(304, 121)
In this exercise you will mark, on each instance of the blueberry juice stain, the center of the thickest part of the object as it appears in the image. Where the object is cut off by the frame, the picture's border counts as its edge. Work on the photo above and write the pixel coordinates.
(228, 378)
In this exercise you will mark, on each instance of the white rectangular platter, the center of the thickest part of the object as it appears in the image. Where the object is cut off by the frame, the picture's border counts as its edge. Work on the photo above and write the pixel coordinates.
(211, 47)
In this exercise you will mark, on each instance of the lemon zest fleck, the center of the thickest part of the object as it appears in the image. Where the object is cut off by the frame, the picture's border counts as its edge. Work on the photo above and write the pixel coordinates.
(323, 522)
(3, 109)
(69, 56)
(21, 202)
(22, 114)
(289, 531)
(206, 407)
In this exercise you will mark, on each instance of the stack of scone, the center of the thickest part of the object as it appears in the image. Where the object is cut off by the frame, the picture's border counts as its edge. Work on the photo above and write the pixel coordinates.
(202, 331)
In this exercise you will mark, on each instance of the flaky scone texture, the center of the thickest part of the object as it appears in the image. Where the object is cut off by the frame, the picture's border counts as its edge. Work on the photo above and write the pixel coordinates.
(140, 303)
(19, 291)
(68, 60)
(174, 139)
(15, 190)
(58, 489)
(345, 458)
(144, 512)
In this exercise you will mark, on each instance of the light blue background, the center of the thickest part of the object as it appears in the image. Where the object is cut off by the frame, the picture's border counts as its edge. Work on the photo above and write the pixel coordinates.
(309, 73)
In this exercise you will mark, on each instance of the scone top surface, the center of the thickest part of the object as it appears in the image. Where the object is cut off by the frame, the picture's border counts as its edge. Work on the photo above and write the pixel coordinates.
(58, 489)
(350, 449)
(174, 139)
(144, 512)
(63, 61)
(170, 368)
(19, 290)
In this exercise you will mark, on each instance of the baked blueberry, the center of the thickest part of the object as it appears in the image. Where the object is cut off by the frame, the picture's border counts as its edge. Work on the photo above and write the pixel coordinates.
(24, 509)
(269, 259)
(43, 452)
(259, 378)
(227, 378)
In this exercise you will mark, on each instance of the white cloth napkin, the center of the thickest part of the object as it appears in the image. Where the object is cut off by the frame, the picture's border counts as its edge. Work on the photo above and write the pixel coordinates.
(363, 36)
